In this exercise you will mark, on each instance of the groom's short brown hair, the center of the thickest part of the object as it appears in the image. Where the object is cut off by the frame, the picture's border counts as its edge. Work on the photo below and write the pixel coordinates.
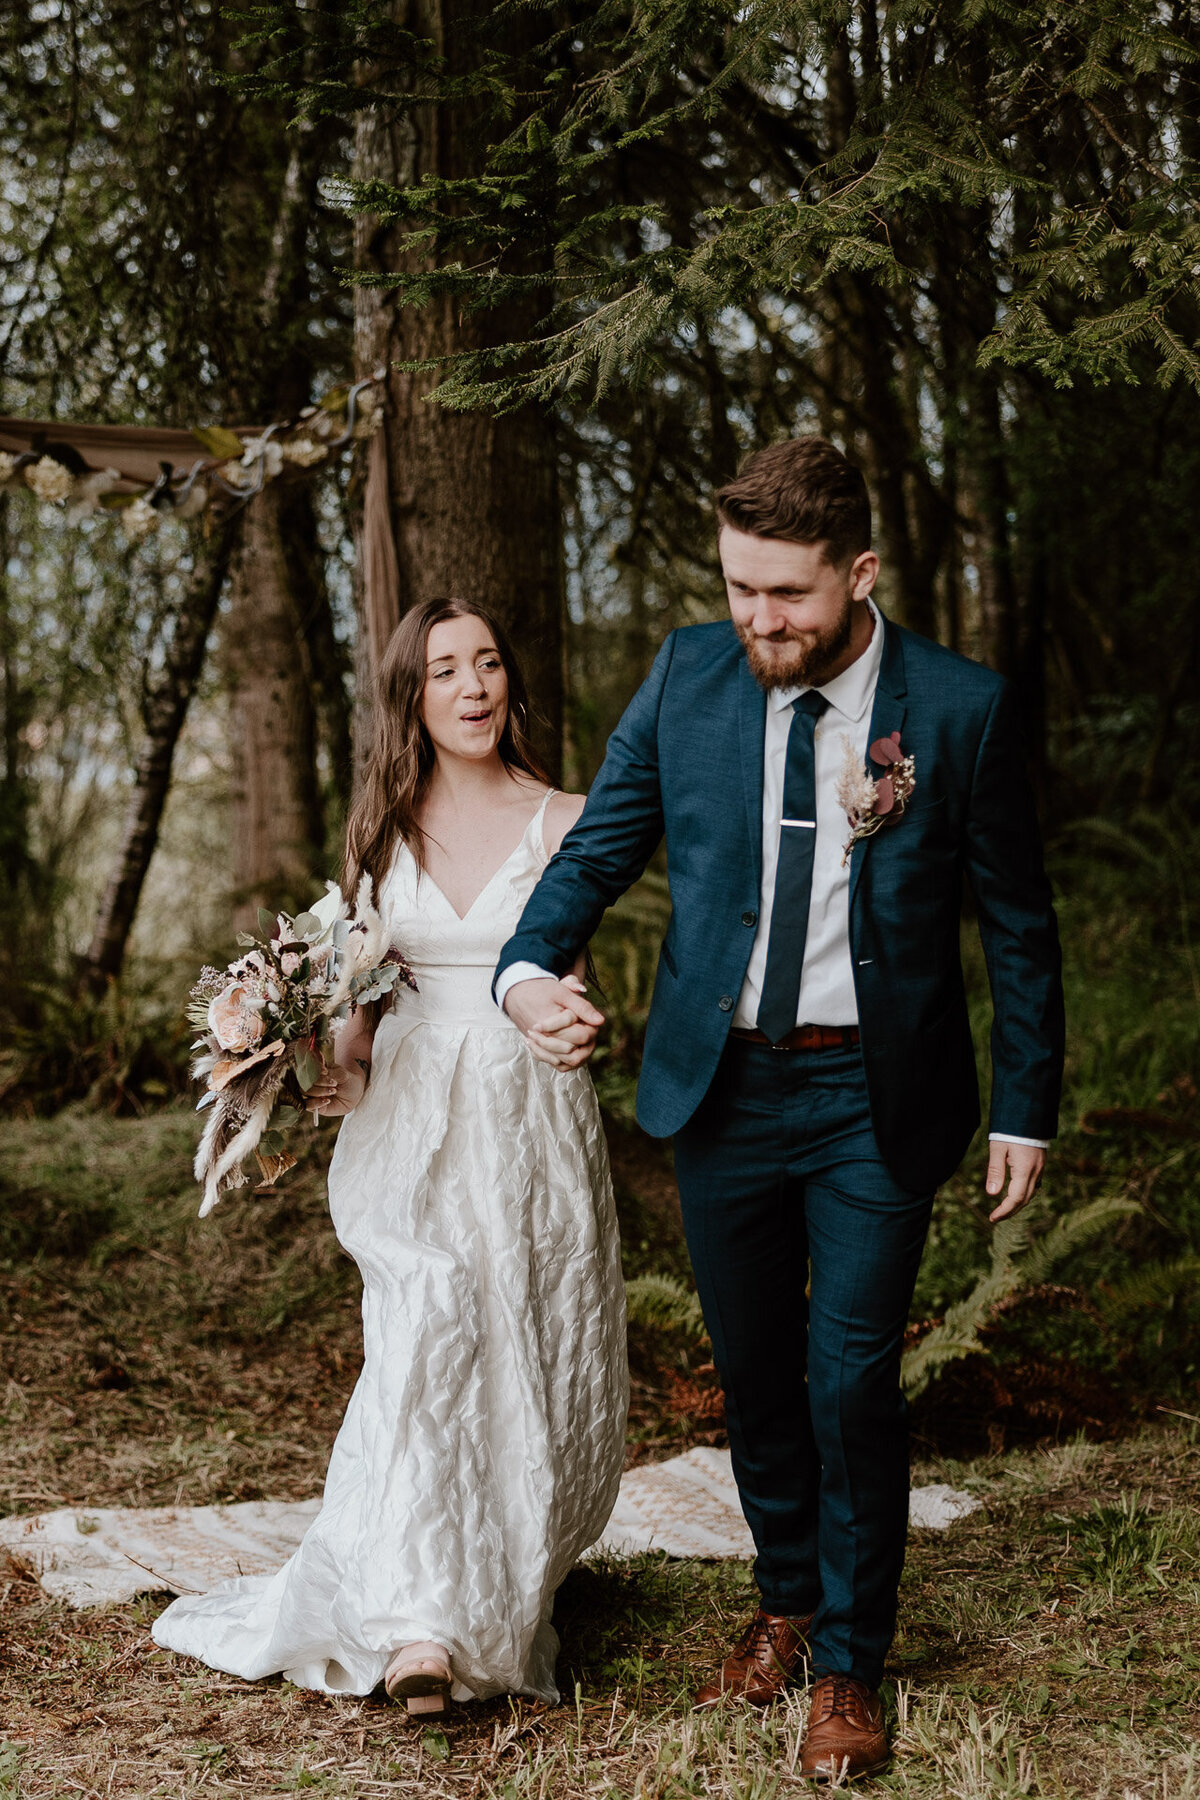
(804, 490)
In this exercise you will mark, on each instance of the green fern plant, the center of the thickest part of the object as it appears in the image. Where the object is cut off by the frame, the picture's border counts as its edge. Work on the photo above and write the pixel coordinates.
(660, 1303)
(1016, 1263)
(1149, 1289)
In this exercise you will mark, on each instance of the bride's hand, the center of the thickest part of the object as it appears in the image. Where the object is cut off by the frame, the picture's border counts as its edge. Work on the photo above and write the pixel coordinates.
(566, 1037)
(336, 1091)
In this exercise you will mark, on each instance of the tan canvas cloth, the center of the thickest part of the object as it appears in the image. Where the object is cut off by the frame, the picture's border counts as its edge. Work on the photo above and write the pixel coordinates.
(380, 570)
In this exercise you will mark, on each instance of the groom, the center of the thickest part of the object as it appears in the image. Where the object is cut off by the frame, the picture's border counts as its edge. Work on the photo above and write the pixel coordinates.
(808, 1046)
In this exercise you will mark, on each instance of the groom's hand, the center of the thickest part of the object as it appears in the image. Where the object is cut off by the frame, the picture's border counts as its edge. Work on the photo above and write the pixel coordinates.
(1024, 1164)
(557, 1019)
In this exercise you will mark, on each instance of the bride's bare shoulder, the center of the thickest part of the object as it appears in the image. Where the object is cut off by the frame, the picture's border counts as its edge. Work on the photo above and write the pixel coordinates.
(561, 814)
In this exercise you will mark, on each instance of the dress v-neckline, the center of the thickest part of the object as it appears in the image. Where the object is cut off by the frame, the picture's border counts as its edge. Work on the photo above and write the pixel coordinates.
(496, 873)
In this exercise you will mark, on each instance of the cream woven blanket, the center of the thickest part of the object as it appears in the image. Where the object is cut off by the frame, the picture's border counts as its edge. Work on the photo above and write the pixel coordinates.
(687, 1507)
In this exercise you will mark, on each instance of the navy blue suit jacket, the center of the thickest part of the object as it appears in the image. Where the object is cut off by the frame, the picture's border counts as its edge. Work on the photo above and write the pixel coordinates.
(686, 761)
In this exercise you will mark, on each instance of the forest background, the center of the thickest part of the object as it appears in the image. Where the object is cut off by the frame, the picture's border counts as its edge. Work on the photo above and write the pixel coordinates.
(626, 241)
(625, 244)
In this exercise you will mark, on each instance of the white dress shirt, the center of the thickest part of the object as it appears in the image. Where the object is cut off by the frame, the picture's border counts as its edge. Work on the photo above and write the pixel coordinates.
(827, 994)
(827, 978)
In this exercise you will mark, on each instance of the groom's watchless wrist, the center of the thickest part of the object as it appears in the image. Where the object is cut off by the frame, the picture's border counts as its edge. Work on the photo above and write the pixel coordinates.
(519, 971)
(1007, 1137)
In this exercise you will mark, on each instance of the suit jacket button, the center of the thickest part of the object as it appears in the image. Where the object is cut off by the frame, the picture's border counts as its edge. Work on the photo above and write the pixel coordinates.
(726, 1003)
(749, 918)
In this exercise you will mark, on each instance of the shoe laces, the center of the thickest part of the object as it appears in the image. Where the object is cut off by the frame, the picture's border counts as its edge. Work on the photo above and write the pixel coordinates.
(841, 1695)
(757, 1636)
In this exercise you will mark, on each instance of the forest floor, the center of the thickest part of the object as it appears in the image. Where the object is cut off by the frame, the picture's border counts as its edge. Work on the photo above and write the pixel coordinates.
(1048, 1644)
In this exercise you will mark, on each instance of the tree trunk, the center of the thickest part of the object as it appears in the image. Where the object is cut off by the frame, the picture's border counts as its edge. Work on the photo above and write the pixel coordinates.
(278, 655)
(472, 498)
(276, 825)
(326, 658)
(987, 488)
(166, 710)
(15, 786)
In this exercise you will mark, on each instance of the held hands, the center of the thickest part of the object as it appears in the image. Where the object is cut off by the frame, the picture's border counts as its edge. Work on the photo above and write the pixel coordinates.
(557, 1020)
(336, 1091)
(1024, 1164)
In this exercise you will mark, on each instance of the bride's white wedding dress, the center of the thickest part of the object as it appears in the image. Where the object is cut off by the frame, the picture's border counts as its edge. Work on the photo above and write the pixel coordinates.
(482, 1447)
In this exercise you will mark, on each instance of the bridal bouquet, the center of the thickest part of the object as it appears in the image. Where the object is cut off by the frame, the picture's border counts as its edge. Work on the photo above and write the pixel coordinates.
(267, 1021)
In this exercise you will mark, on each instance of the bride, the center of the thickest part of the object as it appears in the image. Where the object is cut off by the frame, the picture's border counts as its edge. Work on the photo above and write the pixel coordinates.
(482, 1446)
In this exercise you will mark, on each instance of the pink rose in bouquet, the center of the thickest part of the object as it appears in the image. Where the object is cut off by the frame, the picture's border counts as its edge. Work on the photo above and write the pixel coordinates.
(235, 1017)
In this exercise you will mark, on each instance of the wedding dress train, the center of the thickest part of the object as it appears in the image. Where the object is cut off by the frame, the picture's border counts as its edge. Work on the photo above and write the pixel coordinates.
(482, 1447)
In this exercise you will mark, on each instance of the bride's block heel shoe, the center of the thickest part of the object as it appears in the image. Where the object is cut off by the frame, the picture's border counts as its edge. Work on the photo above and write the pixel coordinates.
(419, 1674)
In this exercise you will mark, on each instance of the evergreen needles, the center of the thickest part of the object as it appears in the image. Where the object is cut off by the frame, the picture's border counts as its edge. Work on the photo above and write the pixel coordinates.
(646, 168)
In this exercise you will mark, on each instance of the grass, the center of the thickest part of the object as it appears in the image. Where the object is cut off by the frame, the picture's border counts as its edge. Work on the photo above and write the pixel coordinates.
(1047, 1646)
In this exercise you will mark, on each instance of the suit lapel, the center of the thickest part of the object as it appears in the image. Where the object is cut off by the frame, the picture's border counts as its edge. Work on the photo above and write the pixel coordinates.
(887, 715)
(752, 723)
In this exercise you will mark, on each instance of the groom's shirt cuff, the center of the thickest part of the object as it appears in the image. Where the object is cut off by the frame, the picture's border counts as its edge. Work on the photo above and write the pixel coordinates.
(994, 1137)
(519, 971)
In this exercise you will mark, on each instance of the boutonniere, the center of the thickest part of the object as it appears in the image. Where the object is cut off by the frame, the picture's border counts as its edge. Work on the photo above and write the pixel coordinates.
(870, 803)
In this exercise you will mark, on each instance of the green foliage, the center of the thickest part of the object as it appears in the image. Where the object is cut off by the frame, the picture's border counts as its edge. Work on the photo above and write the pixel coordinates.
(1062, 136)
(625, 958)
(11, 1757)
(122, 1052)
(661, 1303)
(958, 1333)
(1125, 1549)
(1150, 1291)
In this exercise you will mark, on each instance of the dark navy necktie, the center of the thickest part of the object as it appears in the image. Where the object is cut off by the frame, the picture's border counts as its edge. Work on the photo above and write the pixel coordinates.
(793, 873)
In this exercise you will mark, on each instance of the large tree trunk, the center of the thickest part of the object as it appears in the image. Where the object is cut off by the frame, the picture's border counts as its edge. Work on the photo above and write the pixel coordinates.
(326, 658)
(472, 498)
(15, 787)
(279, 659)
(165, 712)
(276, 827)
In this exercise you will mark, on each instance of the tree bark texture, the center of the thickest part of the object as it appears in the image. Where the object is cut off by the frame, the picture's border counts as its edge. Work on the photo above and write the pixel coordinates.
(166, 710)
(325, 657)
(276, 824)
(279, 657)
(15, 787)
(472, 498)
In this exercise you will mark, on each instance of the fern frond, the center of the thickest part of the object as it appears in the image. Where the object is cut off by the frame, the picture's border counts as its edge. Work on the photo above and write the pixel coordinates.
(660, 1303)
(958, 1334)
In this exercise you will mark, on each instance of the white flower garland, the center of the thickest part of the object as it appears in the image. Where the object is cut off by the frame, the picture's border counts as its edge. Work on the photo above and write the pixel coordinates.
(318, 432)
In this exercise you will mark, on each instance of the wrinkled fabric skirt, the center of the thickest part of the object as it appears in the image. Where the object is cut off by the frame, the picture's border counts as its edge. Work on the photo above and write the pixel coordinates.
(482, 1448)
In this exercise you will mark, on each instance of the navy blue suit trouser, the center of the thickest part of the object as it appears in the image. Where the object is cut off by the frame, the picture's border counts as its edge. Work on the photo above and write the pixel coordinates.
(806, 1252)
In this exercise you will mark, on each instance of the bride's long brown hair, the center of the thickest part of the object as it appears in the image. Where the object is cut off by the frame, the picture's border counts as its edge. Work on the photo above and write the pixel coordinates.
(400, 762)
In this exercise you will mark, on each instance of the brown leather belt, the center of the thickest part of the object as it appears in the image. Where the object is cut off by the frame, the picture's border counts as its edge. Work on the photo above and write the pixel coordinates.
(804, 1037)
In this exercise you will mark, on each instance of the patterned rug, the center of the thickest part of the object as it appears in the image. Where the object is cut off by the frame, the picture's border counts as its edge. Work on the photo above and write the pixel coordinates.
(687, 1507)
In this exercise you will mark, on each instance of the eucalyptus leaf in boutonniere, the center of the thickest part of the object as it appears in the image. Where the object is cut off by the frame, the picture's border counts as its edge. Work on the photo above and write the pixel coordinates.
(870, 803)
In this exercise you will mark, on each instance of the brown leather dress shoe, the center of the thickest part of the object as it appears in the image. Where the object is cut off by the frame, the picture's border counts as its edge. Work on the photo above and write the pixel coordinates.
(845, 1734)
(766, 1658)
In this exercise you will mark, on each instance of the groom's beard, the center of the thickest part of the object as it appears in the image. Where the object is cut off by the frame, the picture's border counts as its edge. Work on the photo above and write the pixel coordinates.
(796, 659)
